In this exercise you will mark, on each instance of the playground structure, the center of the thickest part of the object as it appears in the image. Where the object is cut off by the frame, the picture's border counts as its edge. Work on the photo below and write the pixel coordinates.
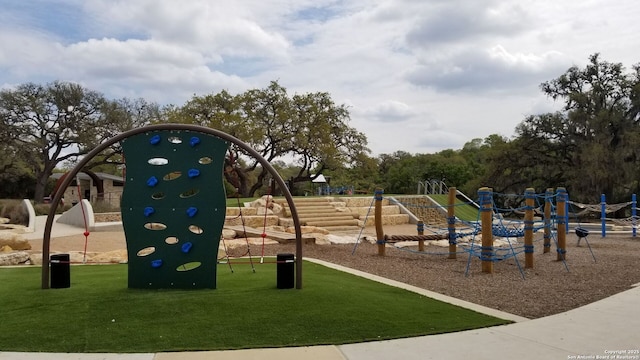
(175, 190)
(603, 208)
(432, 186)
(383, 238)
(194, 153)
(487, 228)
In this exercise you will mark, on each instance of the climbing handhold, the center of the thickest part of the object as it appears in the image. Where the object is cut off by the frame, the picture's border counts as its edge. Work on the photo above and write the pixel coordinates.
(148, 211)
(155, 139)
(156, 263)
(194, 141)
(192, 211)
(186, 247)
(152, 181)
(193, 173)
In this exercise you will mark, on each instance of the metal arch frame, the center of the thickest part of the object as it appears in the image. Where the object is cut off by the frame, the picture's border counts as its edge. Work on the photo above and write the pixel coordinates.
(46, 241)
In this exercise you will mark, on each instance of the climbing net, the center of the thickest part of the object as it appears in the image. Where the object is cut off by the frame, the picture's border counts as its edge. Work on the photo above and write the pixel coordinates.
(506, 232)
(598, 208)
(604, 209)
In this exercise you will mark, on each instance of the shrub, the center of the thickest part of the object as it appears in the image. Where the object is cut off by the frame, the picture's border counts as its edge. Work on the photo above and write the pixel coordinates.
(104, 207)
(15, 211)
(43, 209)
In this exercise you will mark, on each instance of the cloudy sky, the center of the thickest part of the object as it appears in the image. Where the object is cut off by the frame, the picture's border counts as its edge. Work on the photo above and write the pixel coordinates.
(418, 75)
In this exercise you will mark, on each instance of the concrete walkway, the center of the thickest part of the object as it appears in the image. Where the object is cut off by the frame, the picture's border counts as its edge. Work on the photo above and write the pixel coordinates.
(607, 329)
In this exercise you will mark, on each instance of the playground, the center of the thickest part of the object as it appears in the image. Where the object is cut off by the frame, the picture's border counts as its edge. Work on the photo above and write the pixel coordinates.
(571, 276)
(549, 288)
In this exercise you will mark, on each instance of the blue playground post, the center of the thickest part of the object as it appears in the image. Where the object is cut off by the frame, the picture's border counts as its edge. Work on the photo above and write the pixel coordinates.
(486, 213)
(603, 214)
(633, 214)
(566, 212)
(548, 196)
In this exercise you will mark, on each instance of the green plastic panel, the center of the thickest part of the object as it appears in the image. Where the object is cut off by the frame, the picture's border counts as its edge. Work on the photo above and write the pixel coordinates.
(173, 208)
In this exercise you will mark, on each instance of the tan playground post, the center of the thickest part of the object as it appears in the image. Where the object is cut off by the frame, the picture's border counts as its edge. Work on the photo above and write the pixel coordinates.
(548, 195)
(561, 220)
(486, 217)
(529, 195)
(378, 220)
(451, 223)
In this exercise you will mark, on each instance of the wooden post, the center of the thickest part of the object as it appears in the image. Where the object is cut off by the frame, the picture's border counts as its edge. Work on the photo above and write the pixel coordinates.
(378, 220)
(451, 223)
(486, 217)
(420, 232)
(561, 220)
(548, 195)
(529, 195)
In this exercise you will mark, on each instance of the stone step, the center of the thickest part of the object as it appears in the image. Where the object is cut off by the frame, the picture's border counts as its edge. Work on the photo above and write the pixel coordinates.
(235, 211)
(322, 223)
(306, 211)
(310, 206)
(257, 221)
(350, 213)
(388, 220)
(303, 200)
(364, 201)
(324, 217)
(311, 209)
(386, 210)
(279, 236)
(343, 229)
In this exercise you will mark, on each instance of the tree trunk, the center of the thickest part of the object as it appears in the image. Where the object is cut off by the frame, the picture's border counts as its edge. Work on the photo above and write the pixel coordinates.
(238, 178)
(41, 185)
(258, 183)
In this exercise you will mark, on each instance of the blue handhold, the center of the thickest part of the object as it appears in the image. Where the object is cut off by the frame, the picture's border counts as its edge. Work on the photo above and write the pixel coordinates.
(193, 173)
(152, 181)
(155, 139)
(192, 211)
(148, 211)
(156, 263)
(194, 141)
(186, 247)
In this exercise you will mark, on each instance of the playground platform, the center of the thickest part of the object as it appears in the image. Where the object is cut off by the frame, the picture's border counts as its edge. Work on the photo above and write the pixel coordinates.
(606, 329)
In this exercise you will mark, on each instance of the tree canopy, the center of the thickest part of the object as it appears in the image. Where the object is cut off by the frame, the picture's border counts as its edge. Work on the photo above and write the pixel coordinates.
(591, 146)
(58, 122)
(308, 129)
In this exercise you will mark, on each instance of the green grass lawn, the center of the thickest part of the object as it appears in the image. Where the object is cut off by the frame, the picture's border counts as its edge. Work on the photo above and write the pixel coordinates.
(464, 211)
(98, 313)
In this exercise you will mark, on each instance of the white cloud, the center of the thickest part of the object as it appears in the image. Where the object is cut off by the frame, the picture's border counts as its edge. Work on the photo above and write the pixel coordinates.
(391, 111)
(456, 21)
(488, 71)
(418, 75)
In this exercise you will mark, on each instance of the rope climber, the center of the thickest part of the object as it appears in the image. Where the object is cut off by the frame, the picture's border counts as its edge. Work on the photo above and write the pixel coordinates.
(604, 209)
(84, 219)
(246, 238)
(264, 221)
(490, 227)
(383, 239)
(596, 208)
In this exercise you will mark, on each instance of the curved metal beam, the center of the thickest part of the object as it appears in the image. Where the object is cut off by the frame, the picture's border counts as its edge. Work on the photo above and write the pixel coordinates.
(46, 241)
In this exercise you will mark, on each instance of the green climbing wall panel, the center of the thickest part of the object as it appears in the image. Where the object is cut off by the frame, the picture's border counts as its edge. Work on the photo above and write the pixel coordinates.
(173, 208)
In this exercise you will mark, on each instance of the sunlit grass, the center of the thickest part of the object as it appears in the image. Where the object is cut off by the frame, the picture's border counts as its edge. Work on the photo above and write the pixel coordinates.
(98, 313)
